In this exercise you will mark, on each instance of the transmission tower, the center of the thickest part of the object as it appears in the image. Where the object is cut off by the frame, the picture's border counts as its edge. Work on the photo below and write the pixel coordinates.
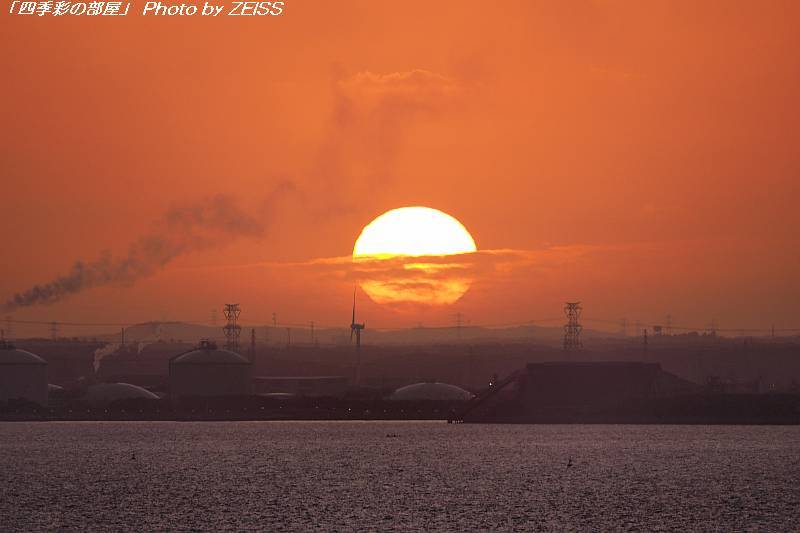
(669, 324)
(9, 327)
(54, 330)
(623, 327)
(572, 329)
(232, 329)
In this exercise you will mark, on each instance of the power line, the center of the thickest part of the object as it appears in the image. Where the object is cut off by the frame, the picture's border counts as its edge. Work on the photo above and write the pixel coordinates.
(11, 322)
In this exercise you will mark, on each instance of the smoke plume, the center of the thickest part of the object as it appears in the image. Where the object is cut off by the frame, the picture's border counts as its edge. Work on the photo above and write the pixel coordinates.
(373, 119)
(191, 228)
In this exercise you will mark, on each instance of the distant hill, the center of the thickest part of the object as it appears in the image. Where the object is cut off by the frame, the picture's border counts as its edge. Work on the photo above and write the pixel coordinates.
(148, 332)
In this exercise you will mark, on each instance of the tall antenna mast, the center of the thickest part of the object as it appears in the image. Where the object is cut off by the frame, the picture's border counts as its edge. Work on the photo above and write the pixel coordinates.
(252, 344)
(644, 340)
(232, 329)
(572, 329)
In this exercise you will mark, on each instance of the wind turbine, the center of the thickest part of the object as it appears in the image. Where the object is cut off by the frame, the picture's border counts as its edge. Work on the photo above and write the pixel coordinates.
(355, 329)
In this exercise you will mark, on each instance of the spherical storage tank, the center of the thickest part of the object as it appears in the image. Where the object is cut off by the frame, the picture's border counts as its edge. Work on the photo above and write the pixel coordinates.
(209, 371)
(431, 391)
(104, 394)
(23, 375)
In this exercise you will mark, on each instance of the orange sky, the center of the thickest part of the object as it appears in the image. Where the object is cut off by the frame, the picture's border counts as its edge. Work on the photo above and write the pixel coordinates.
(641, 156)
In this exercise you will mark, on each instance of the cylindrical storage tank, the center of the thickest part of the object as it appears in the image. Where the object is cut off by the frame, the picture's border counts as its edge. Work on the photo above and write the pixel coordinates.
(23, 375)
(209, 371)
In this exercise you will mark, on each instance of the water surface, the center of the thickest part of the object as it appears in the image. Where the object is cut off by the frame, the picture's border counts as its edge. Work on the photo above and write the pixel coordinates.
(391, 476)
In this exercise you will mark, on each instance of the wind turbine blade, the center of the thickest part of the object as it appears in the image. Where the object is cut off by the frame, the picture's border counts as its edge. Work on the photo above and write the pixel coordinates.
(354, 306)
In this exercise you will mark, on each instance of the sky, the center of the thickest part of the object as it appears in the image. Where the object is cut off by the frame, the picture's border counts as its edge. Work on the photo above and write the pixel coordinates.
(641, 157)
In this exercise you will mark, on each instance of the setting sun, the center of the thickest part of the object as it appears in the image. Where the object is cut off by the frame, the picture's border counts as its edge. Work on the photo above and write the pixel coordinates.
(413, 232)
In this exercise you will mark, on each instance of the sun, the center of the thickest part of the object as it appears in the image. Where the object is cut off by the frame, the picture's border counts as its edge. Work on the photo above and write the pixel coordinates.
(385, 253)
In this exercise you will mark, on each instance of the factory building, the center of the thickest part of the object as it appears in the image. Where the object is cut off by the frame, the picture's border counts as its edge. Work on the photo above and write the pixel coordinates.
(208, 371)
(563, 384)
(104, 394)
(434, 391)
(579, 392)
(577, 383)
(23, 375)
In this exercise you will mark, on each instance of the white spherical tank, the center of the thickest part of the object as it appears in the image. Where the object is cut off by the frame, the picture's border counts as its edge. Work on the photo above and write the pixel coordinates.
(209, 371)
(23, 375)
(431, 391)
(104, 394)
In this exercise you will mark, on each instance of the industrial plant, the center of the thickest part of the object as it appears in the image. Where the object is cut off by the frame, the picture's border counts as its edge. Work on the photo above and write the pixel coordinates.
(532, 374)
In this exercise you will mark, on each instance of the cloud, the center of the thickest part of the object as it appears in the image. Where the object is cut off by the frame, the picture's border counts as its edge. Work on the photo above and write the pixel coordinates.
(373, 118)
(436, 279)
(373, 115)
(393, 96)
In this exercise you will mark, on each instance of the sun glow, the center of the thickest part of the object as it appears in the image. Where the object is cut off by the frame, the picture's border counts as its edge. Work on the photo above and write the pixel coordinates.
(388, 245)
